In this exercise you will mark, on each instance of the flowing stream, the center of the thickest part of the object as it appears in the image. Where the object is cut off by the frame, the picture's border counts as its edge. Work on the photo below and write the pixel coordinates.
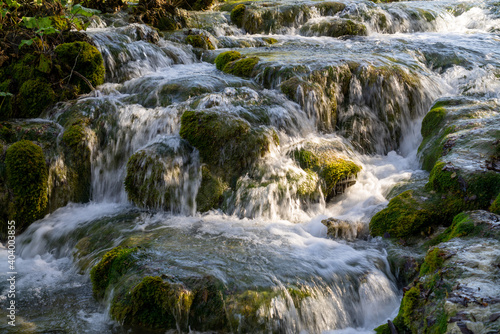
(265, 238)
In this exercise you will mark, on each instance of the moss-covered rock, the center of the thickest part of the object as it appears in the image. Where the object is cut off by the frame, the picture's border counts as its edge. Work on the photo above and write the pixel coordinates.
(26, 172)
(406, 216)
(225, 58)
(156, 175)
(335, 170)
(334, 28)
(237, 14)
(242, 67)
(85, 61)
(210, 193)
(495, 206)
(112, 265)
(224, 141)
(78, 160)
(153, 304)
(34, 97)
(200, 41)
(453, 291)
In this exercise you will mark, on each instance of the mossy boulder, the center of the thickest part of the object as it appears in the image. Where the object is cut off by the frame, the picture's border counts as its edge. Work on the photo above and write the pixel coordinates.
(334, 28)
(226, 57)
(85, 61)
(200, 41)
(26, 172)
(153, 304)
(34, 97)
(495, 206)
(335, 170)
(241, 67)
(211, 191)
(408, 215)
(454, 290)
(226, 142)
(110, 268)
(157, 174)
(237, 14)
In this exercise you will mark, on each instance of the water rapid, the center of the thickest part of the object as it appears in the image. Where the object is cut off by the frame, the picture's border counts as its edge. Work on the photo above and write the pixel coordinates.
(264, 237)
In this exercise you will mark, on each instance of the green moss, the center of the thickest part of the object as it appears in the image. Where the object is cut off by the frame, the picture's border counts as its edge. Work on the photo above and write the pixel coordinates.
(495, 206)
(404, 217)
(225, 141)
(61, 23)
(112, 265)
(34, 96)
(432, 120)
(443, 180)
(86, 60)
(74, 136)
(153, 304)
(211, 190)
(237, 14)
(461, 226)
(383, 329)
(200, 41)
(142, 183)
(409, 304)
(432, 262)
(270, 40)
(225, 58)
(27, 176)
(432, 148)
(24, 69)
(242, 67)
(77, 158)
(336, 171)
(331, 170)
(208, 309)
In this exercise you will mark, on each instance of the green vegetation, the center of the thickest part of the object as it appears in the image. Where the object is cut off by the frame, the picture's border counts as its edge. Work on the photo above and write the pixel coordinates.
(153, 304)
(237, 15)
(84, 61)
(112, 265)
(432, 120)
(331, 169)
(432, 262)
(143, 182)
(34, 96)
(406, 216)
(77, 158)
(225, 58)
(495, 206)
(27, 176)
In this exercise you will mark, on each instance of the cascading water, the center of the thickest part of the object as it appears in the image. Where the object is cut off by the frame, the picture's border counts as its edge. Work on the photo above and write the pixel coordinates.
(381, 86)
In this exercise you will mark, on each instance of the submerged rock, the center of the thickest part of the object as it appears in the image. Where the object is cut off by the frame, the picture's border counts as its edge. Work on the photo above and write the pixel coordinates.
(159, 175)
(343, 229)
(226, 143)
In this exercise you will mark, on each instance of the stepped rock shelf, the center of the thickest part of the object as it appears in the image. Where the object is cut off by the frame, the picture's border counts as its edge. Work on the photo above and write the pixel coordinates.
(251, 166)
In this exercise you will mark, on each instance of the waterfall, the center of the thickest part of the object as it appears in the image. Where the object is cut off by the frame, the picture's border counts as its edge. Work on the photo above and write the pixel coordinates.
(355, 99)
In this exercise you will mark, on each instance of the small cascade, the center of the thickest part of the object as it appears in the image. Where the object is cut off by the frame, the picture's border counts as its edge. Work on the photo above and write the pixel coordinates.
(254, 191)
